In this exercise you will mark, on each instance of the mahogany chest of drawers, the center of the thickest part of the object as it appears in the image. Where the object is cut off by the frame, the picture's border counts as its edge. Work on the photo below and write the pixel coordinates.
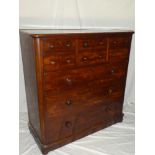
(75, 82)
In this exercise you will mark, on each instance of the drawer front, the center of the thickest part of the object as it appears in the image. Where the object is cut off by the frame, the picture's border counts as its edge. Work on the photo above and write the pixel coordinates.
(59, 127)
(94, 94)
(80, 78)
(80, 100)
(55, 62)
(70, 79)
(92, 43)
(119, 42)
(90, 57)
(119, 55)
(50, 44)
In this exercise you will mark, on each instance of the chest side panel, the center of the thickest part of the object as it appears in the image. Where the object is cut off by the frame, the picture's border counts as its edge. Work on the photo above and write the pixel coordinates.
(29, 67)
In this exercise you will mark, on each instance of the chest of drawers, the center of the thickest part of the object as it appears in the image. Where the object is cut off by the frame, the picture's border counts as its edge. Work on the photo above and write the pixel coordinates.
(75, 82)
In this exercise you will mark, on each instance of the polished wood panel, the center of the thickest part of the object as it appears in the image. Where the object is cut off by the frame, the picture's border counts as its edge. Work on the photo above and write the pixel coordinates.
(94, 42)
(90, 57)
(80, 100)
(89, 119)
(75, 83)
(29, 67)
(119, 42)
(52, 44)
(59, 61)
(76, 78)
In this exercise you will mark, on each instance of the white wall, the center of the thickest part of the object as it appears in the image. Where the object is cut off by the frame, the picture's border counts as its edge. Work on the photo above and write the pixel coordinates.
(78, 14)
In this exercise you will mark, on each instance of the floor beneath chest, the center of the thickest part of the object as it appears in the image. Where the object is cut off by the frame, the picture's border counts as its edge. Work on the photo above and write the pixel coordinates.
(118, 139)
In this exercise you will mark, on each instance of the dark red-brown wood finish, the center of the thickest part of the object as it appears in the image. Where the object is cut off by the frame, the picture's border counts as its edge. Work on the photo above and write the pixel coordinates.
(74, 83)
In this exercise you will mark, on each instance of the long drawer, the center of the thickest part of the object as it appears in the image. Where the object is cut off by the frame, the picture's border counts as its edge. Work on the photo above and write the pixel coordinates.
(72, 125)
(71, 102)
(61, 81)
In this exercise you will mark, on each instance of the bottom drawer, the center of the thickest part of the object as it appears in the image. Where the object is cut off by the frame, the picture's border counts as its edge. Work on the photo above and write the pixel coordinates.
(91, 120)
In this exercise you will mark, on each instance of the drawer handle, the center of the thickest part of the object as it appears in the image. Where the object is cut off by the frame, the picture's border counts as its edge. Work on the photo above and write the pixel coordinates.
(84, 59)
(112, 71)
(100, 56)
(68, 61)
(101, 43)
(110, 91)
(68, 124)
(114, 42)
(68, 45)
(68, 80)
(52, 62)
(51, 46)
(85, 44)
(68, 102)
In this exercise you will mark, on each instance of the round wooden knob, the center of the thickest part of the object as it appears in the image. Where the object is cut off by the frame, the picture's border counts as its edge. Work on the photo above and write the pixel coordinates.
(84, 59)
(68, 44)
(51, 46)
(112, 71)
(114, 42)
(68, 61)
(100, 56)
(110, 91)
(101, 43)
(85, 44)
(68, 102)
(69, 81)
(68, 124)
(52, 62)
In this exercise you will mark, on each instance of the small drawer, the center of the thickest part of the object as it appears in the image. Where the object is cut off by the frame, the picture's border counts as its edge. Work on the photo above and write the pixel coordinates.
(118, 55)
(119, 42)
(86, 43)
(58, 128)
(91, 57)
(101, 43)
(92, 43)
(59, 61)
(55, 44)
